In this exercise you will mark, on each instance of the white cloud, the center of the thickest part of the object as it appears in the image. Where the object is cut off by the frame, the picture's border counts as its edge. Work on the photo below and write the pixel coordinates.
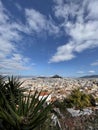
(95, 63)
(38, 22)
(63, 53)
(91, 71)
(80, 72)
(63, 9)
(10, 58)
(93, 9)
(16, 61)
(3, 16)
(83, 31)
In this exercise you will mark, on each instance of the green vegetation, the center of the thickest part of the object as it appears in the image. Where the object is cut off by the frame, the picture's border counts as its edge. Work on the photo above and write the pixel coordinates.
(18, 111)
(79, 100)
(11, 85)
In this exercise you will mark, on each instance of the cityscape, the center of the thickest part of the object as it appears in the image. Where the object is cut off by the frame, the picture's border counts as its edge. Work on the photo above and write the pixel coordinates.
(60, 88)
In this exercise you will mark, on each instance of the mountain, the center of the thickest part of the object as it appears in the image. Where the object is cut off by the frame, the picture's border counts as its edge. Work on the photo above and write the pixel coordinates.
(90, 76)
(56, 76)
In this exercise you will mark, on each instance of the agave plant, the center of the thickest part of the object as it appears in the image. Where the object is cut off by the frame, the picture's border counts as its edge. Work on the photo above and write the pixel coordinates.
(21, 112)
(18, 111)
(10, 85)
(29, 114)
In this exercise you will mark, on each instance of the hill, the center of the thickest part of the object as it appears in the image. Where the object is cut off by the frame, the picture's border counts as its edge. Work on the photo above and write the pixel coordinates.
(90, 76)
(56, 76)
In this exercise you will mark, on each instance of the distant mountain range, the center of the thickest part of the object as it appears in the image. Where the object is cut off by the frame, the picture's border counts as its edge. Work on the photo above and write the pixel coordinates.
(57, 76)
(54, 76)
(90, 76)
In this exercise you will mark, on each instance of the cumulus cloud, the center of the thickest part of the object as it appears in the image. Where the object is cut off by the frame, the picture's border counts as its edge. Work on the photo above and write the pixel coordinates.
(38, 22)
(63, 53)
(91, 71)
(10, 58)
(64, 9)
(93, 9)
(80, 23)
(35, 20)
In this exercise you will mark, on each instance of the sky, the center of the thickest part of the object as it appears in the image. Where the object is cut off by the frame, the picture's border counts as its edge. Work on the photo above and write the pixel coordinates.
(47, 37)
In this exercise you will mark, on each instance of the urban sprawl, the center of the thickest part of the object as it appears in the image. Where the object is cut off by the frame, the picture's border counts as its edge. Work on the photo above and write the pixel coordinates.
(60, 88)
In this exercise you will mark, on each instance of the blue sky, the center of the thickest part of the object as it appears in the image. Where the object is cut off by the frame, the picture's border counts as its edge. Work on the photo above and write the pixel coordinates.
(47, 37)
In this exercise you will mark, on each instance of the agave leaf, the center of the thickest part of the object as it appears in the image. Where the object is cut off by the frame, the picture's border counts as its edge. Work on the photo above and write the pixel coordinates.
(27, 104)
(7, 117)
(11, 111)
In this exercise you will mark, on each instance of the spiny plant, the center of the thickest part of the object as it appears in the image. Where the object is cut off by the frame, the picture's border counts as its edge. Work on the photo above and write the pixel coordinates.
(10, 85)
(27, 115)
(78, 99)
(18, 111)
